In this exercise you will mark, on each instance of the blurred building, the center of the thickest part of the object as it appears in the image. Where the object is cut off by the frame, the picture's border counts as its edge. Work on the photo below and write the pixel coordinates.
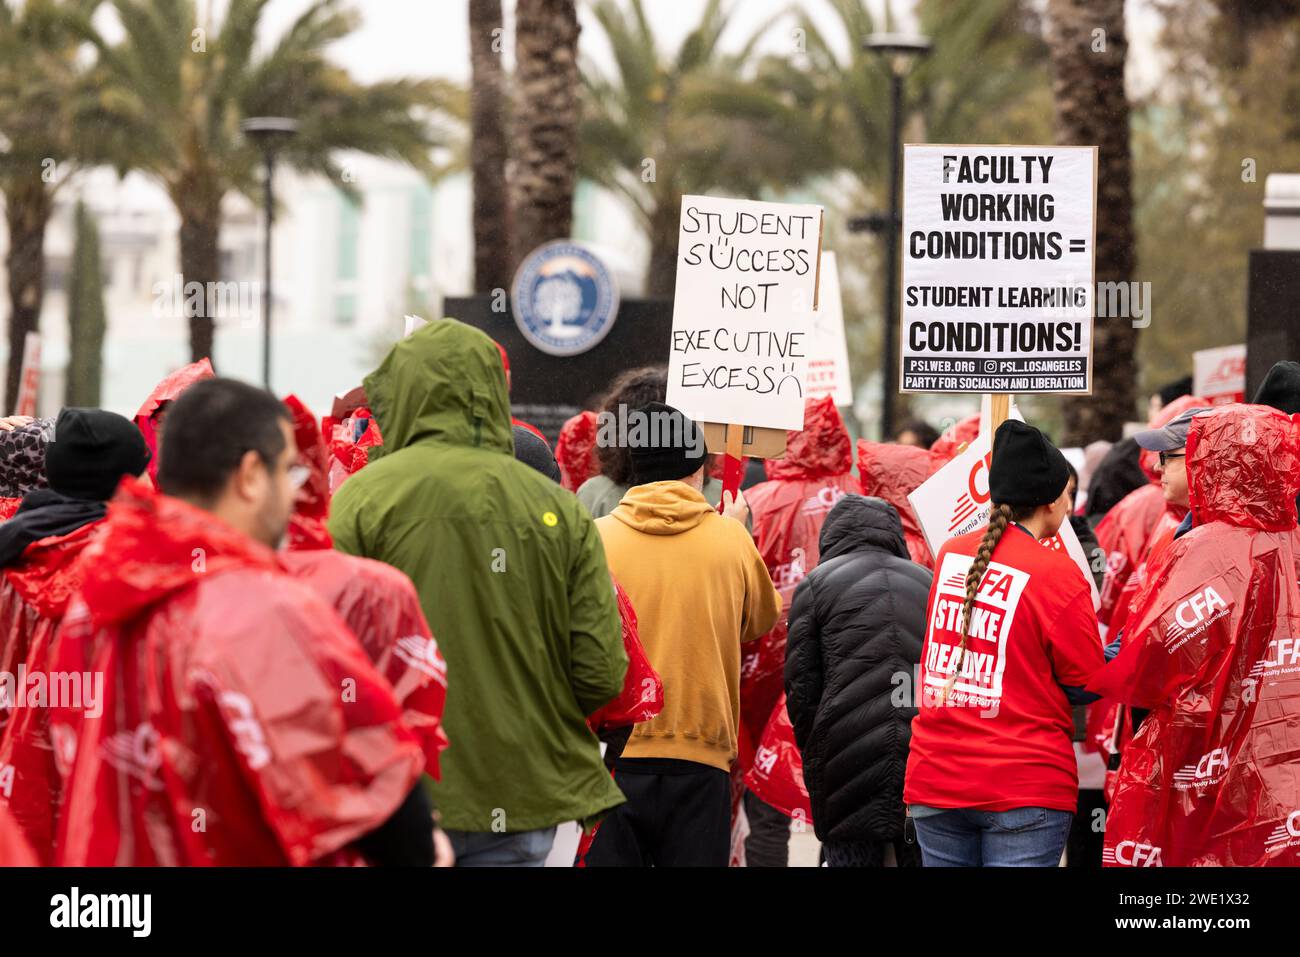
(345, 273)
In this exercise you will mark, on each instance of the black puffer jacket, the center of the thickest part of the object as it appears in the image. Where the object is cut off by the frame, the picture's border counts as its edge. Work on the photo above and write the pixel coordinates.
(857, 625)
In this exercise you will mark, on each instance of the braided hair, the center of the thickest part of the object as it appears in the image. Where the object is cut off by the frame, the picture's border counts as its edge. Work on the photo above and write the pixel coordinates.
(999, 518)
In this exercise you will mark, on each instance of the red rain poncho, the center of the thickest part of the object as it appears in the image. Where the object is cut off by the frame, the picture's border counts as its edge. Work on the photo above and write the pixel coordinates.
(232, 697)
(8, 506)
(34, 596)
(788, 512)
(640, 700)
(776, 776)
(14, 851)
(893, 472)
(1126, 535)
(348, 452)
(376, 601)
(949, 445)
(168, 390)
(576, 450)
(1211, 777)
(642, 696)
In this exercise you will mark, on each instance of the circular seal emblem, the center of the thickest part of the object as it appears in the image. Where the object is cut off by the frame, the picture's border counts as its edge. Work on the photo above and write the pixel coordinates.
(564, 299)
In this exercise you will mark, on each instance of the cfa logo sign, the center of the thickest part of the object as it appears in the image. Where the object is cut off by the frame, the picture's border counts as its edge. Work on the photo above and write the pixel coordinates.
(976, 495)
(1132, 854)
(1199, 607)
(1285, 832)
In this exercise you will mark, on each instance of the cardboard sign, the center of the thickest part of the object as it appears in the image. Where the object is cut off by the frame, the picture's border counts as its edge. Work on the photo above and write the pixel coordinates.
(1219, 375)
(955, 501)
(998, 272)
(747, 275)
(828, 357)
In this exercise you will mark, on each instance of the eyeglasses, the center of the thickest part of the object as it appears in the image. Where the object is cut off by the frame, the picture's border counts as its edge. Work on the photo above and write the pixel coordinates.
(298, 475)
(1166, 456)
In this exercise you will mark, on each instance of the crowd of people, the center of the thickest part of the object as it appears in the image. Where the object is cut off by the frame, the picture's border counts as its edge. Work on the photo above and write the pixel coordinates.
(413, 633)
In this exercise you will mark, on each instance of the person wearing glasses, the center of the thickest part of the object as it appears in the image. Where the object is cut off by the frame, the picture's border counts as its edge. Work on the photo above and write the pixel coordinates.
(1170, 442)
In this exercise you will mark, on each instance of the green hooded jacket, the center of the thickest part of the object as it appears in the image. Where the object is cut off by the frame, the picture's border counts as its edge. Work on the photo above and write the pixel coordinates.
(511, 576)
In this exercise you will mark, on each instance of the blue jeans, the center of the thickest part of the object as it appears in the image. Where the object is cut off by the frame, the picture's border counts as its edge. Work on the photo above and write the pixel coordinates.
(1021, 837)
(492, 849)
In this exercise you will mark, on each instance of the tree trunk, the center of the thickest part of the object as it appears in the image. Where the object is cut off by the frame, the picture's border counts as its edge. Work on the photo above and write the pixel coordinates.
(1092, 109)
(27, 209)
(661, 281)
(487, 123)
(86, 322)
(200, 263)
(545, 122)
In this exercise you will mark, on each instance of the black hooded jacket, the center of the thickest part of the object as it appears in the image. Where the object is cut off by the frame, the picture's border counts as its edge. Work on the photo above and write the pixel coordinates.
(857, 625)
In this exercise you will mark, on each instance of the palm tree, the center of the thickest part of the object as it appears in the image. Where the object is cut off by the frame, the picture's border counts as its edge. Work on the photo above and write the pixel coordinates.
(1089, 47)
(668, 126)
(985, 81)
(545, 125)
(490, 150)
(44, 143)
(175, 91)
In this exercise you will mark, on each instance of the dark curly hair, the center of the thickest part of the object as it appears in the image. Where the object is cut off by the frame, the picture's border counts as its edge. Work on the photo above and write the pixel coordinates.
(633, 389)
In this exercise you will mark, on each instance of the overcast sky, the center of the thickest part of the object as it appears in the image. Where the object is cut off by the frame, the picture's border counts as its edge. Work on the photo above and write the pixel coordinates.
(422, 37)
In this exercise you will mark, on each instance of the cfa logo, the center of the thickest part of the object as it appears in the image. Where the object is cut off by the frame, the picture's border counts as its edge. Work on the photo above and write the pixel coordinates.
(823, 501)
(1286, 831)
(1133, 854)
(1285, 652)
(1200, 606)
(765, 760)
(1205, 771)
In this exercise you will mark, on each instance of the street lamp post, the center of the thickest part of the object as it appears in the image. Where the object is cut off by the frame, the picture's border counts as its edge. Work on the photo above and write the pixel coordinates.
(269, 134)
(900, 52)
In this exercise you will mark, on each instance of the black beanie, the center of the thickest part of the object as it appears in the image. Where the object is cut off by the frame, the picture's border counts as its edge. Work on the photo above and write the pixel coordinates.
(1026, 469)
(667, 446)
(1281, 388)
(535, 453)
(90, 452)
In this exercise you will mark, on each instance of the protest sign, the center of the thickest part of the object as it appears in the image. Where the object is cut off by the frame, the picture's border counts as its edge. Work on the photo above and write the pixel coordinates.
(828, 354)
(1219, 375)
(747, 275)
(955, 501)
(998, 272)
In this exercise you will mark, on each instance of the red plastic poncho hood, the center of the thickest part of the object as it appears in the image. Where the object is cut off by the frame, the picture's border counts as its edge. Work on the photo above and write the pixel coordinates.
(893, 472)
(167, 390)
(311, 507)
(153, 545)
(946, 446)
(576, 450)
(1243, 467)
(822, 448)
(1150, 461)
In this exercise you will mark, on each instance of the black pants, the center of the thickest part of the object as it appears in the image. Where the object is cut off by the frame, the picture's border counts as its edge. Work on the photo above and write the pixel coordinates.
(768, 844)
(870, 853)
(678, 814)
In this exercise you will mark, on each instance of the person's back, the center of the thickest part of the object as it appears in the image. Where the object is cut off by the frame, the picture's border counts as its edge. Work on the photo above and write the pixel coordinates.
(1210, 650)
(700, 589)
(218, 674)
(858, 620)
(40, 553)
(512, 579)
(234, 719)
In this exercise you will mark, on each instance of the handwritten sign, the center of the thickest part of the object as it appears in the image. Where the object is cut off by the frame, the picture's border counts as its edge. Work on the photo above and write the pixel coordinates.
(747, 280)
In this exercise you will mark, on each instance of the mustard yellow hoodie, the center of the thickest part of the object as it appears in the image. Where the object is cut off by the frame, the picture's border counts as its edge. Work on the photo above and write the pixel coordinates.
(699, 588)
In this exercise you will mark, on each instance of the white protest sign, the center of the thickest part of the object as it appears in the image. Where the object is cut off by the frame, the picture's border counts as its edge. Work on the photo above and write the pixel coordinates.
(828, 353)
(743, 311)
(955, 501)
(998, 273)
(1219, 375)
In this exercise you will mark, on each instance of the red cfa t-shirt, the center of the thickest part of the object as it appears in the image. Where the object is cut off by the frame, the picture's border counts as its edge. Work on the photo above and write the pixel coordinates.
(1002, 740)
